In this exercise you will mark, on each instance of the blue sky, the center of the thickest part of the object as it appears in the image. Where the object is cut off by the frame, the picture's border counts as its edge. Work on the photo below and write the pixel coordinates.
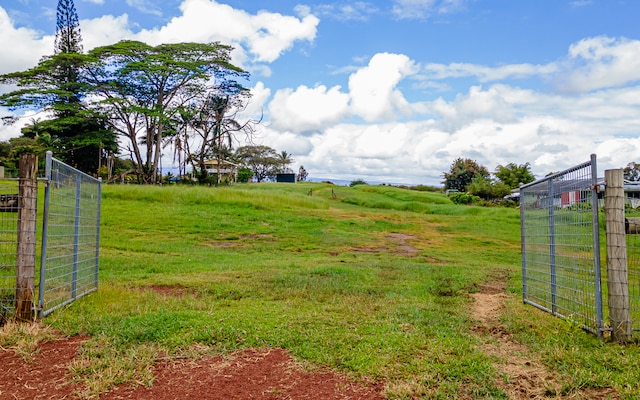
(394, 91)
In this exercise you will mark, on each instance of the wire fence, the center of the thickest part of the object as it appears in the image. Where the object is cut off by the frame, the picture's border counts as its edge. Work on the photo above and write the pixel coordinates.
(67, 266)
(8, 246)
(561, 246)
(71, 236)
(632, 210)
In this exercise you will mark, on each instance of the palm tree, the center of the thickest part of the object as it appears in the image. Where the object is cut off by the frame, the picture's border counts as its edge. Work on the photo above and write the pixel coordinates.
(285, 159)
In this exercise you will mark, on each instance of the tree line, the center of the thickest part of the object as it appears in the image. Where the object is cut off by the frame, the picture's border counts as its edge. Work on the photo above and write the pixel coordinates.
(467, 177)
(133, 99)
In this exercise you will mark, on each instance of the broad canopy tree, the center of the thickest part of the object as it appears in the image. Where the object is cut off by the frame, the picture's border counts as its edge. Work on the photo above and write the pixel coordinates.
(462, 173)
(75, 133)
(141, 88)
(514, 175)
(130, 88)
(264, 161)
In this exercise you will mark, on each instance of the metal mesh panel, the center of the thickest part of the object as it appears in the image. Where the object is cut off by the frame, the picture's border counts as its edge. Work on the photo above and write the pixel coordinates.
(560, 261)
(632, 210)
(71, 236)
(8, 246)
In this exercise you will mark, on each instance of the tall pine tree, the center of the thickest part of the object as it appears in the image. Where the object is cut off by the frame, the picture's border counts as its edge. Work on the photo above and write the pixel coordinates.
(57, 86)
(75, 134)
(68, 43)
(68, 37)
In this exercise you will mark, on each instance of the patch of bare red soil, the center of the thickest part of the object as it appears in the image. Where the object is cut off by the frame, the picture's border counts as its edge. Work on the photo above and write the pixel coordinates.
(43, 376)
(250, 374)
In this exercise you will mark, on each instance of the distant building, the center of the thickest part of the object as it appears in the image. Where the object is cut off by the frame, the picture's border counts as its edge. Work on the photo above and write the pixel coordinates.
(288, 178)
(228, 170)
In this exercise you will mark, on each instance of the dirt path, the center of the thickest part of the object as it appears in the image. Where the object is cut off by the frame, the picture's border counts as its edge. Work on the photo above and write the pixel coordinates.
(524, 376)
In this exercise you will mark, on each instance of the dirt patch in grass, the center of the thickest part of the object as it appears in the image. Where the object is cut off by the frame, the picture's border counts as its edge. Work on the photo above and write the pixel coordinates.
(224, 244)
(394, 243)
(523, 375)
(170, 290)
(240, 240)
(249, 374)
(44, 376)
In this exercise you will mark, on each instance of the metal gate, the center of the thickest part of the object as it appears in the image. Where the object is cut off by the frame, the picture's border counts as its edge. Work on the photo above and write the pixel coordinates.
(69, 239)
(561, 245)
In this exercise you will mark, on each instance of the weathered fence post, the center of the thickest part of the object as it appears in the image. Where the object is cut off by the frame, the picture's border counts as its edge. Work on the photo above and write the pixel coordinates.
(26, 252)
(617, 274)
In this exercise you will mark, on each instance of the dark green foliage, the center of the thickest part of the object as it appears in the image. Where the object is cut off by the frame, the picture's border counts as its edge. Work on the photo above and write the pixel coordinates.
(79, 141)
(508, 203)
(514, 175)
(244, 174)
(285, 159)
(357, 182)
(464, 198)
(75, 134)
(425, 188)
(487, 189)
(68, 38)
(11, 150)
(461, 174)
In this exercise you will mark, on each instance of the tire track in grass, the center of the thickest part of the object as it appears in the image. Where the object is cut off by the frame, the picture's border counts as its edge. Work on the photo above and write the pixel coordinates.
(523, 376)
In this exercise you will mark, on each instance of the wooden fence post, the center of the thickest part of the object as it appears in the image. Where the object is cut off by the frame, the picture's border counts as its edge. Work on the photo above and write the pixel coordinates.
(617, 274)
(26, 252)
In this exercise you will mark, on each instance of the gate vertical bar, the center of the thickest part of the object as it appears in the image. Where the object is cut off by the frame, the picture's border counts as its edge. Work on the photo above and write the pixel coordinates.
(552, 247)
(76, 238)
(98, 233)
(523, 247)
(45, 233)
(596, 246)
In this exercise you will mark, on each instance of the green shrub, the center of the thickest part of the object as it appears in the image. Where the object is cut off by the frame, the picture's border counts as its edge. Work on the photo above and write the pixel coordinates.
(244, 174)
(464, 198)
(508, 203)
(357, 182)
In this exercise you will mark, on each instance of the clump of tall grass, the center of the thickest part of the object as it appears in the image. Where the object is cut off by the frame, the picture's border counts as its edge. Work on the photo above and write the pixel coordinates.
(24, 338)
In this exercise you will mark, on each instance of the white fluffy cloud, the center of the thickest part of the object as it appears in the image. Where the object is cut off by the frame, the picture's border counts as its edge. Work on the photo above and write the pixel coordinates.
(370, 127)
(20, 47)
(307, 109)
(373, 96)
(262, 37)
(373, 89)
(259, 38)
(602, 62)
(485, 73)
(494, 124)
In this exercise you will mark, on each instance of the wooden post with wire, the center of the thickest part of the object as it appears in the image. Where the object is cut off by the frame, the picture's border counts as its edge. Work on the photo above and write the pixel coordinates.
(617, 273)
(26, 250)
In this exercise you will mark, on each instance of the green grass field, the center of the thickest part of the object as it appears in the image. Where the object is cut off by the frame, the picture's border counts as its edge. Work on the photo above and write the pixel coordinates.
(373, 281)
